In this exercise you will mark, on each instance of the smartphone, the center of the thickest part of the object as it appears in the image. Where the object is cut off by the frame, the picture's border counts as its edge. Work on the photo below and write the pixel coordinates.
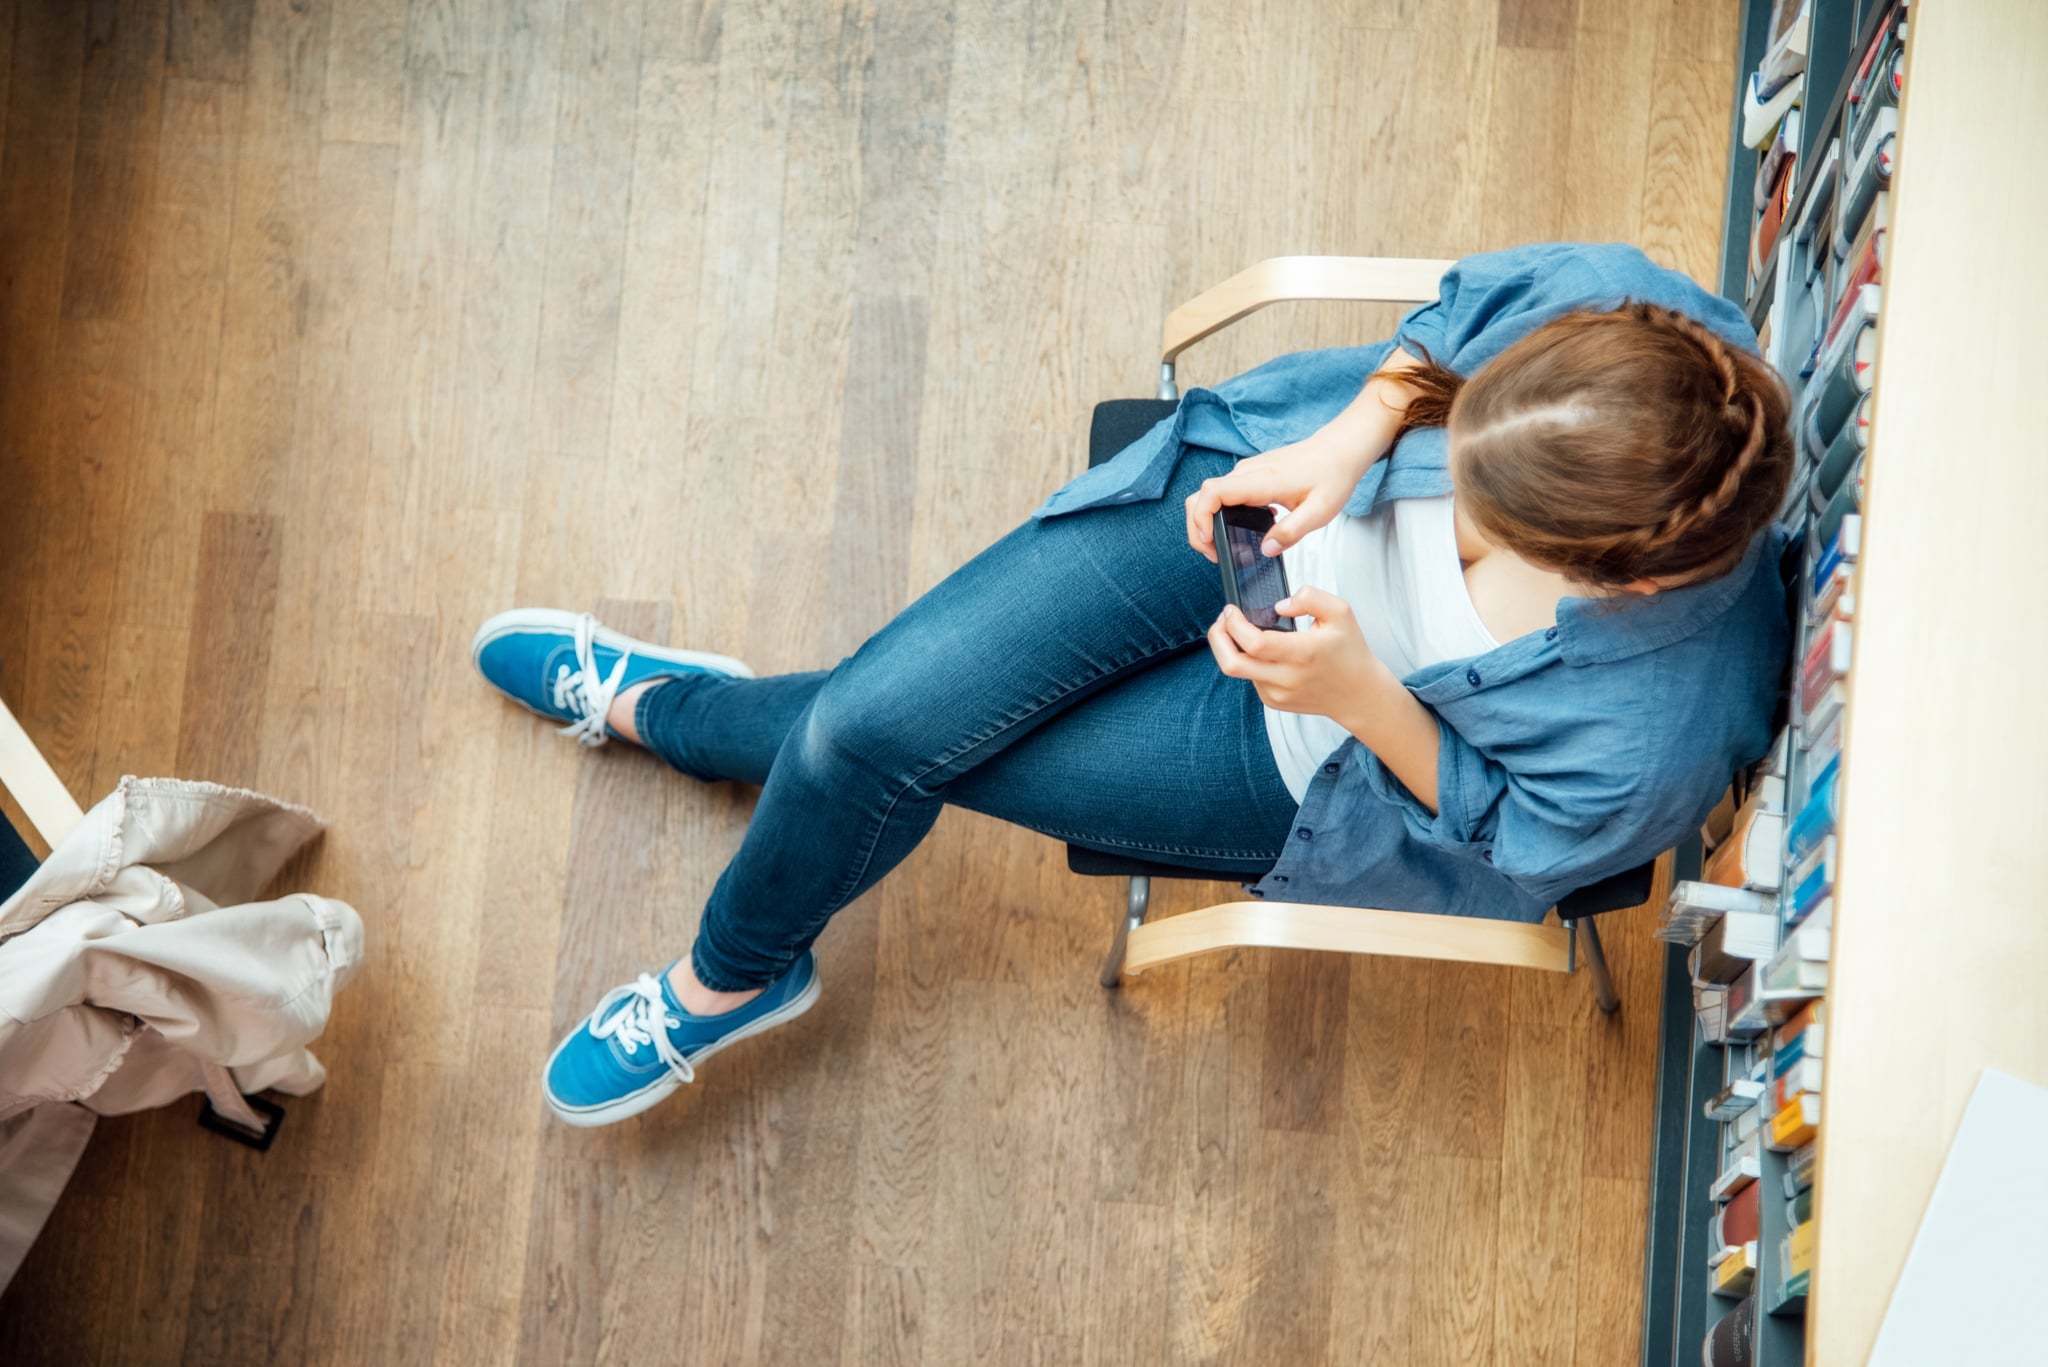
(1252, 581)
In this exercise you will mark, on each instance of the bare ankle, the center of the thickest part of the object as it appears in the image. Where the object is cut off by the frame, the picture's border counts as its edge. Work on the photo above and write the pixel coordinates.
(699, 1000)
(623, 715)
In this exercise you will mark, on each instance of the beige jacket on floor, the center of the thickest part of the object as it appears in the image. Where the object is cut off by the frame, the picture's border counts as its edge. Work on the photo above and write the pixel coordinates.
(134, 957)
(135, 968)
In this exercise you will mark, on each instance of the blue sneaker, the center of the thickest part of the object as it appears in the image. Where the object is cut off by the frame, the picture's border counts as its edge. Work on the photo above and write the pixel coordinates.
(568, 667)
(640, 1045)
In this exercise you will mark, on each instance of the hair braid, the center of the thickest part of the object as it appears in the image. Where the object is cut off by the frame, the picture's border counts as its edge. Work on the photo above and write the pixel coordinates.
(1622, 446)
(1742, 409)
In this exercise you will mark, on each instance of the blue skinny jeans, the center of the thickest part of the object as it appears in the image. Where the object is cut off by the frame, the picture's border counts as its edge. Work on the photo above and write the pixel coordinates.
(1059, 680)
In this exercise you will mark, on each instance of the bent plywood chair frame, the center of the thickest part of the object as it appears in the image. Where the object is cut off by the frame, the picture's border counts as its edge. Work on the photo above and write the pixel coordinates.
(28, 778)
(1294, 925)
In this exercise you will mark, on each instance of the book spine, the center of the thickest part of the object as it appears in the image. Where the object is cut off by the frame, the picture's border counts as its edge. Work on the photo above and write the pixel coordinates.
(1732, 1340)
(1826, 661)
(1848, 499)
(1816, 820)
(1842, 453)
(1839, 550)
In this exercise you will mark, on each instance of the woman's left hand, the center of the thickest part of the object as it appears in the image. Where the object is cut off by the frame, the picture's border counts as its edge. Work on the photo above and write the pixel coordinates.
(1324, 667)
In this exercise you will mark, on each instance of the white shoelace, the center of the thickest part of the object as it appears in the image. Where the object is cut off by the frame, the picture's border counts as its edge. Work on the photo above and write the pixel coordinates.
(582, 693)
(645, 1019)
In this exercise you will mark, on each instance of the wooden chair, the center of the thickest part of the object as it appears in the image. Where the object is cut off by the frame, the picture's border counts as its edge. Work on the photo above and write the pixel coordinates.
(1293, 925)
(28, 778)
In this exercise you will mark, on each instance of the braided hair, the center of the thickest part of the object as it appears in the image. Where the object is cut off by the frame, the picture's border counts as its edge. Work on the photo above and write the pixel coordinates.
(1616, 447)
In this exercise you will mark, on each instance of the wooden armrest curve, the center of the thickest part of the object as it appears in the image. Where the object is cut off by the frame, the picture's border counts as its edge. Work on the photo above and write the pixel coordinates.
(1351, 930)
(1354, 279)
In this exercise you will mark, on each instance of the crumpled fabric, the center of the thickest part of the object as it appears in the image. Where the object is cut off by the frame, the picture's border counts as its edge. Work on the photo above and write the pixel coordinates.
(135, 960)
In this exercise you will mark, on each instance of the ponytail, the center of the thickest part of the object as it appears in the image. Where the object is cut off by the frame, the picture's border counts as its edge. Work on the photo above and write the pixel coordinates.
(1432, 388)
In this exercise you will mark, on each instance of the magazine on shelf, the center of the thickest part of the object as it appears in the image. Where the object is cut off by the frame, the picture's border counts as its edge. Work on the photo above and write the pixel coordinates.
(1834, 595)
(1794, 1125)
(1847, 500)
(1741, 1168)
(1880, 75)
(1785, 53)
(1839, 456)
(1693, 906)
(1827, 659)
(1731, 944)
(1824, 712)
(1818, 200)
(1824, 742)
(1837, 552)
(1816, 819)
(1865, 173)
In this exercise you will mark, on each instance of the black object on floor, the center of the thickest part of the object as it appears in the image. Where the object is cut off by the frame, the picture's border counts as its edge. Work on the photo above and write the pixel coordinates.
(17, 862)
(210, 1119)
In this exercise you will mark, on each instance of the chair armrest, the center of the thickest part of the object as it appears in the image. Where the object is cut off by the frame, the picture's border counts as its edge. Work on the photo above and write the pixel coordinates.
(1353, 279)
(30, 781)
(1351, 930)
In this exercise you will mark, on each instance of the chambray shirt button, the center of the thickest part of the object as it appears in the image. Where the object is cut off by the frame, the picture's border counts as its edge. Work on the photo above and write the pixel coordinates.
(1472, 677)
(1551, 634)
(1279, 877)
(1306, 834)
(1332, 767)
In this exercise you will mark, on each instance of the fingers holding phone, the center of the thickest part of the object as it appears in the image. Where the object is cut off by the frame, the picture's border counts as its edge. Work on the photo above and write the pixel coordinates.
(1253, 581)
(1311, 479)
(1255, 482)
(1325, 668)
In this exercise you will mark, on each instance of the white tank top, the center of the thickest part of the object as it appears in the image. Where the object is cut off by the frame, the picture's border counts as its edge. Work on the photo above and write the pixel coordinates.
(1398, 568)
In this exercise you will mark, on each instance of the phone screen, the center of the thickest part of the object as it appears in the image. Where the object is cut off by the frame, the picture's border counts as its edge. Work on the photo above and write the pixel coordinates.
(1261, 581)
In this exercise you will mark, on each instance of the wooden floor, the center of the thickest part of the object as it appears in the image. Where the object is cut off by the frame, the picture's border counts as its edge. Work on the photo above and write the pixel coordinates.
(331, 327)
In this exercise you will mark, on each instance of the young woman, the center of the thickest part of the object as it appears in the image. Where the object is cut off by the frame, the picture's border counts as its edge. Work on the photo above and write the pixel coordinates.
(1542, 622)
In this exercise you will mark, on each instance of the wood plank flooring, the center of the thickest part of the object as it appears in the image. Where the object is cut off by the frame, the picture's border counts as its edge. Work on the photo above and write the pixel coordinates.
(329, 327)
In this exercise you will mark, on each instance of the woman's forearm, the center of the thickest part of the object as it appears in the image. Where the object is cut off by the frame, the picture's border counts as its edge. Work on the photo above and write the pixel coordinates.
(1389, 722)
(1368, 423)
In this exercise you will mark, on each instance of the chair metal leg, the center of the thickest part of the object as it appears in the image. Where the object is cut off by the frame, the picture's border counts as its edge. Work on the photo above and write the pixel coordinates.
(1134, 916)
(1596, 958)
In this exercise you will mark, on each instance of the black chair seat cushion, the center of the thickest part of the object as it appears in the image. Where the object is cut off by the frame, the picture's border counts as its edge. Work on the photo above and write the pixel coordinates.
(1096, 864)
(1629, 888)
(1119, 422)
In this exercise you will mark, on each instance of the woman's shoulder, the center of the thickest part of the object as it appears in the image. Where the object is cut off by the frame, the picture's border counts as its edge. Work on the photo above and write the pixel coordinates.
(1610, 274)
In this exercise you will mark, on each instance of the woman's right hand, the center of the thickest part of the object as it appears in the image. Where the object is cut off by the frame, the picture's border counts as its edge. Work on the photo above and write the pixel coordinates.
(1312, 478)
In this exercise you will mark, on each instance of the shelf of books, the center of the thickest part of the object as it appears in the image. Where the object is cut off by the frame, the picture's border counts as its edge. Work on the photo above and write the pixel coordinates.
(1816, 133)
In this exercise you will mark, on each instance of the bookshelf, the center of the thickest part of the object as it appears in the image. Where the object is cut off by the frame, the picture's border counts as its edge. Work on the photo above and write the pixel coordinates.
(1938, 895)
(1789, 290)
(1944, 884)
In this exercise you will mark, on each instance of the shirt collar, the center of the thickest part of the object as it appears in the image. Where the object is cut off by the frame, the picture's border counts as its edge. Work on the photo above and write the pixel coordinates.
(1602, 630)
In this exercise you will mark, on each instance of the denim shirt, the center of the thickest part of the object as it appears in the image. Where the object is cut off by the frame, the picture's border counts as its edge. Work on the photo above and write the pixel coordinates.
(1568, 754)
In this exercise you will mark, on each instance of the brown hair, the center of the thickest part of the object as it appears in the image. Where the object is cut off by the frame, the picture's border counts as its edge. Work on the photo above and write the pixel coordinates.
(1615, 447)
